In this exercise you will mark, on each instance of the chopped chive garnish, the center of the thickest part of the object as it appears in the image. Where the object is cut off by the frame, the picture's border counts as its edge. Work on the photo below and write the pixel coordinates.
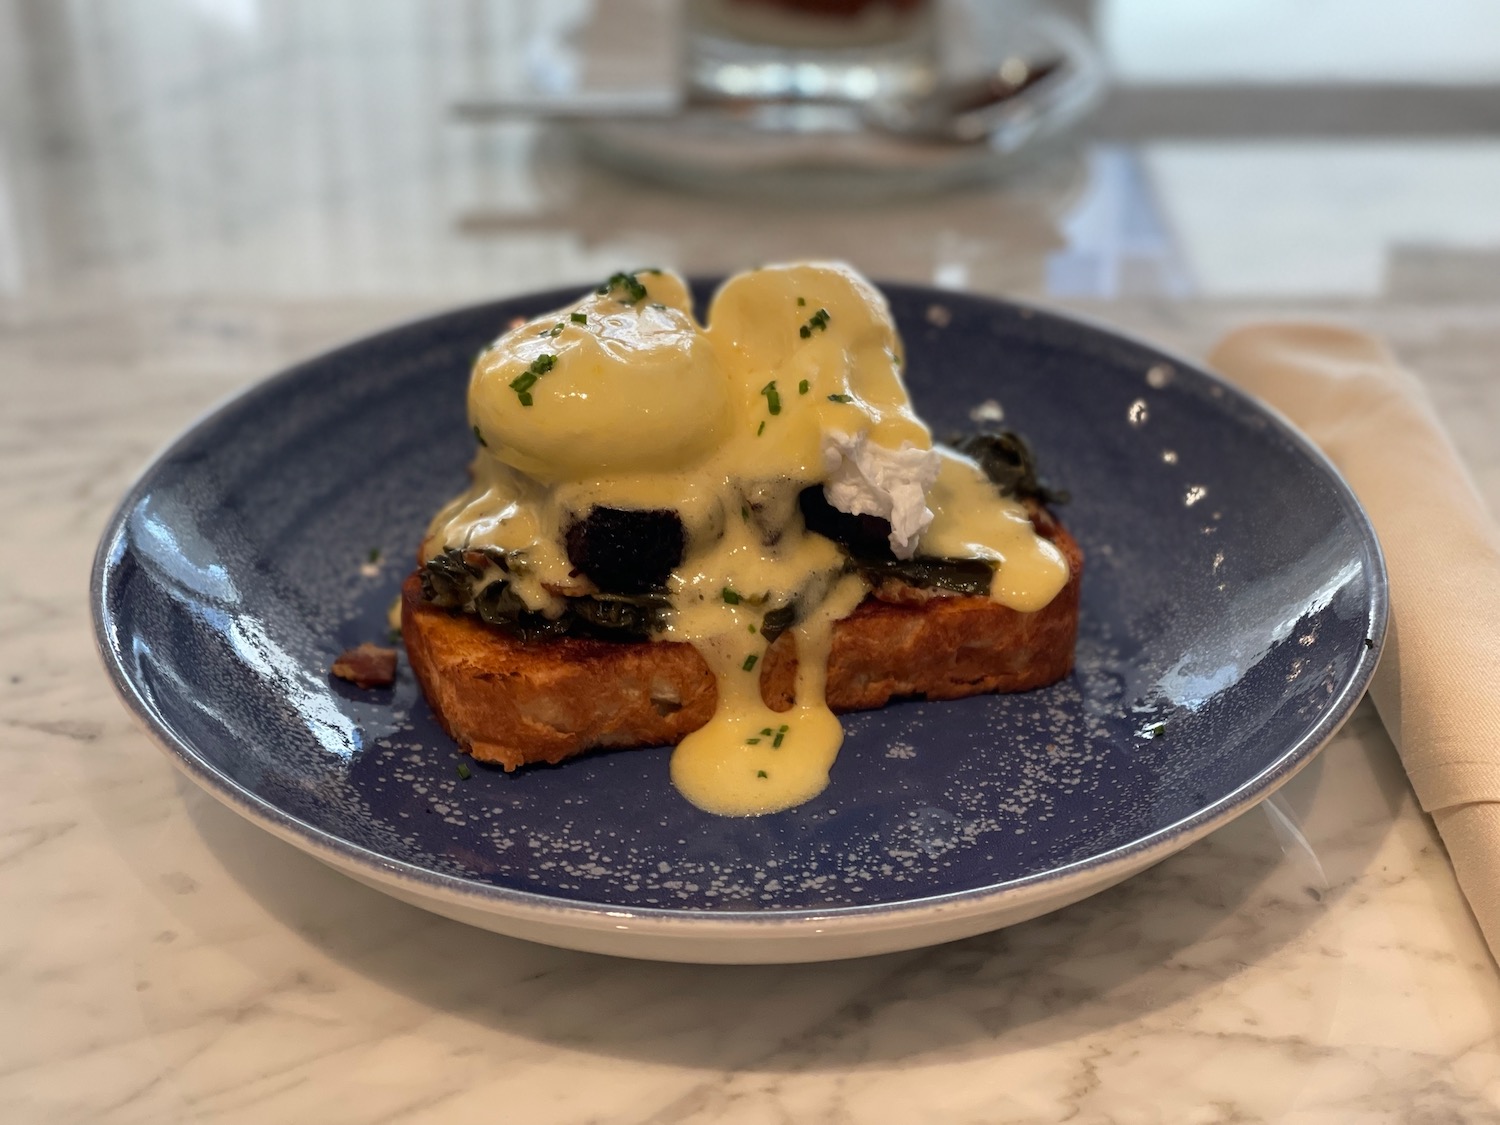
(374, 554)
(579, 318)
(749, 662)
(730, 596)
(801, 302)
(624, 287)
(761, 429)
(761, 773)
(783, 728)
(752, 628)
(818, 321)
(752, 742)
(1156, 730)
(803, 386)
(523, 382)
(555, 330)
(773, 397)
(463, 772)
(744, 511)
(840, 398)
(767, 731)
(479, 437)
(776, 742)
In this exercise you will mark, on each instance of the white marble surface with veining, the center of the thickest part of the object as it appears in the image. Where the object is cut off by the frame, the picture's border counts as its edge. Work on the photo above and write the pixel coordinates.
(193, 196)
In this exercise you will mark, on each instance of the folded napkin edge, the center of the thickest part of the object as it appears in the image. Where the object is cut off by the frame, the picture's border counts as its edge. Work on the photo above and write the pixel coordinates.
(1326, 337)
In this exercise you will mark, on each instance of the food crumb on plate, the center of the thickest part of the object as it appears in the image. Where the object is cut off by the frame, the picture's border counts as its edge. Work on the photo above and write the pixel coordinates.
(366, 666)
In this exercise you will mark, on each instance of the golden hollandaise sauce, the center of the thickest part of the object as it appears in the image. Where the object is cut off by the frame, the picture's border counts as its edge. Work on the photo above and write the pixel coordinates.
(749, 759)
(968, 523)
(622, 400)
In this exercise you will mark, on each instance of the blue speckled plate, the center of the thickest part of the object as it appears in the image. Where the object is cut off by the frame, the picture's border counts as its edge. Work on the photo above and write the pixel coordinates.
(1234, 606)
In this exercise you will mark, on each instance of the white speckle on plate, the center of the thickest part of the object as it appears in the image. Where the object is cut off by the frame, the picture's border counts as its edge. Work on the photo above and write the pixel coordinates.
(987, 411)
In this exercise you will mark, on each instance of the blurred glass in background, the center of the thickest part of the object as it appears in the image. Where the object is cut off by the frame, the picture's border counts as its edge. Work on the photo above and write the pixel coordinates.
(848, 49)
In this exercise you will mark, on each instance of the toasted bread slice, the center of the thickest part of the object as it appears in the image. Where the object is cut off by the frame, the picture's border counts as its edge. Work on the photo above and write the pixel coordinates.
(514, 703)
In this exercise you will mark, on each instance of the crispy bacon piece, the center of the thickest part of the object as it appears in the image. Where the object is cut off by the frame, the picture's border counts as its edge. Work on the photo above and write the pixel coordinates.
(366, 666)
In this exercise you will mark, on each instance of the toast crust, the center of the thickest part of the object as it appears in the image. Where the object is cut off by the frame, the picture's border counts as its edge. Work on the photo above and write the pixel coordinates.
(514, 703)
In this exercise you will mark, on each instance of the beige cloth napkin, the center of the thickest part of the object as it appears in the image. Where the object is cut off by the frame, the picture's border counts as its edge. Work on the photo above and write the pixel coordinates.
(1438, 686)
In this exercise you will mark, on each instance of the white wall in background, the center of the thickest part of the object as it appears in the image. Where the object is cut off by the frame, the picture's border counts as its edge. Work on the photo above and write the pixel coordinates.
(1398, 41)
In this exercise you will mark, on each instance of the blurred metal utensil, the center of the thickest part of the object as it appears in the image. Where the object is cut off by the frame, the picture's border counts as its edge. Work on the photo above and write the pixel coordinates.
(965, 110)
(962, 111)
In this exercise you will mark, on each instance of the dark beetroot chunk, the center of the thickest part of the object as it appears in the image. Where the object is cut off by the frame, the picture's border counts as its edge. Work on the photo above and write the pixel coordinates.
(865, 537)
(626, 552)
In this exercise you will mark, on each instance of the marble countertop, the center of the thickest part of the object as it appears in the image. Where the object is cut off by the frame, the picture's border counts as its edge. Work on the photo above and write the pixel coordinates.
(163, 962)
